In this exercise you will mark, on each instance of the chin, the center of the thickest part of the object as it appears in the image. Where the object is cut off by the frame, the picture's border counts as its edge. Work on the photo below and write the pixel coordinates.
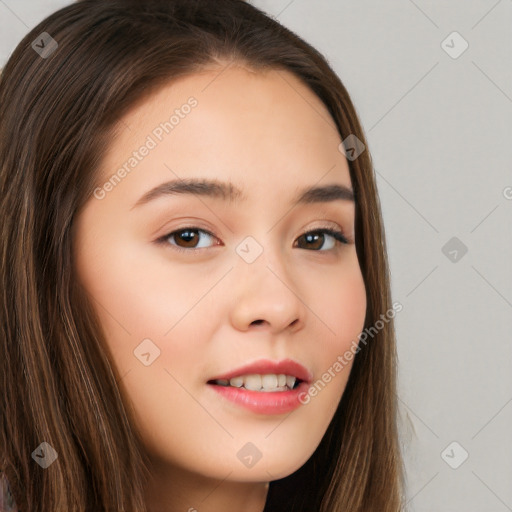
(273, 464)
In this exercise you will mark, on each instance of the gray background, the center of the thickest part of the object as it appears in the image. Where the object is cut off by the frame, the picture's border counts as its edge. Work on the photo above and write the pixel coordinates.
(439, 132)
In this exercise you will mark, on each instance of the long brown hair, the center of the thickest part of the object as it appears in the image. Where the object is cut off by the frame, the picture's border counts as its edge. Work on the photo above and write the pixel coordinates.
(57, 112)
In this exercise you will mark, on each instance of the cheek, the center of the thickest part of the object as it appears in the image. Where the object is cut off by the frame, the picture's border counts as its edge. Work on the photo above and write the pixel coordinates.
(137, 293)
(339, 307)
(137, 302)
(147, 305)
(341, 312)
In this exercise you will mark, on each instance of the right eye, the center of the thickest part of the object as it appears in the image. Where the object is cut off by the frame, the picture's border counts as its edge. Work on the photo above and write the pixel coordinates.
(185, 239)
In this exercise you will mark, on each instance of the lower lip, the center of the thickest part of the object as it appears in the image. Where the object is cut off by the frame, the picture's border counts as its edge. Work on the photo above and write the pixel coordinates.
(263, 402)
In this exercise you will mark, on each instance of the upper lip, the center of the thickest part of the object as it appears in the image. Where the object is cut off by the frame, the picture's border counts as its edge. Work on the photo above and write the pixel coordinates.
(266, 366)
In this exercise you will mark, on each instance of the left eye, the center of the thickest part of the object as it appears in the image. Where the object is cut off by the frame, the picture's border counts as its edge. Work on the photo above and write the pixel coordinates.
(189, 238)
(313, 237)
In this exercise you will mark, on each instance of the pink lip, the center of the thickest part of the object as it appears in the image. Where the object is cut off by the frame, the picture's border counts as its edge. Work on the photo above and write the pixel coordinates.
(264, 402)
(263, 366)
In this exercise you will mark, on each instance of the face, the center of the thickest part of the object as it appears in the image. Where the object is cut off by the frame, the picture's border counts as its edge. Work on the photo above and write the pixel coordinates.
(191, 285)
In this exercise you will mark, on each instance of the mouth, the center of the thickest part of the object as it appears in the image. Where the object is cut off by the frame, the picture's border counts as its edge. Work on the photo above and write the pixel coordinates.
(267, 383)
(266, 375)
(265, 387)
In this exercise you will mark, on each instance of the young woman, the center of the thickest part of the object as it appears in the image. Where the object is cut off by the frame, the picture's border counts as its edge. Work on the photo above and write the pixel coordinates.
(192, 257)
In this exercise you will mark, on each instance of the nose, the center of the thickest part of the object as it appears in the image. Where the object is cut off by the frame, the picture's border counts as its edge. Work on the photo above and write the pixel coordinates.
(266, 295)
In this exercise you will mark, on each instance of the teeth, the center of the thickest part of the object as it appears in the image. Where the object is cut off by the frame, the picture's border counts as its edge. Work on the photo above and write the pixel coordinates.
(269, 381)
(290, 381)
(255, 382)
(252, 382)
(236, 382)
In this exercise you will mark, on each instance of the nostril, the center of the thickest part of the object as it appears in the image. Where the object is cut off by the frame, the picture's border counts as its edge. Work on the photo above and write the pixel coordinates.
(257, 322)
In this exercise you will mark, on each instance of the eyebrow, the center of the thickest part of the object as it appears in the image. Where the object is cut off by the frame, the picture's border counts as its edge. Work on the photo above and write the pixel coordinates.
(228, 191)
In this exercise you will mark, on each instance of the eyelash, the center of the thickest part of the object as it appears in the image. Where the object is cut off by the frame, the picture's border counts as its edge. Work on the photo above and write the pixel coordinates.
(337, 235)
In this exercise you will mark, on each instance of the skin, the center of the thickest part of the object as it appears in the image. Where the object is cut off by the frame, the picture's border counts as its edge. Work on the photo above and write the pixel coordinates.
(271, 136)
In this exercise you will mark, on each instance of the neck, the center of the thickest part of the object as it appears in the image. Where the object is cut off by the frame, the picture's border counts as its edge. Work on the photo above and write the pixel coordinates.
(180, 491)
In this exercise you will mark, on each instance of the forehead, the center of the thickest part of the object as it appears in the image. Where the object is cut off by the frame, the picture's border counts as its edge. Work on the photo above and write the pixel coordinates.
(258, 129)
(236, 89)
